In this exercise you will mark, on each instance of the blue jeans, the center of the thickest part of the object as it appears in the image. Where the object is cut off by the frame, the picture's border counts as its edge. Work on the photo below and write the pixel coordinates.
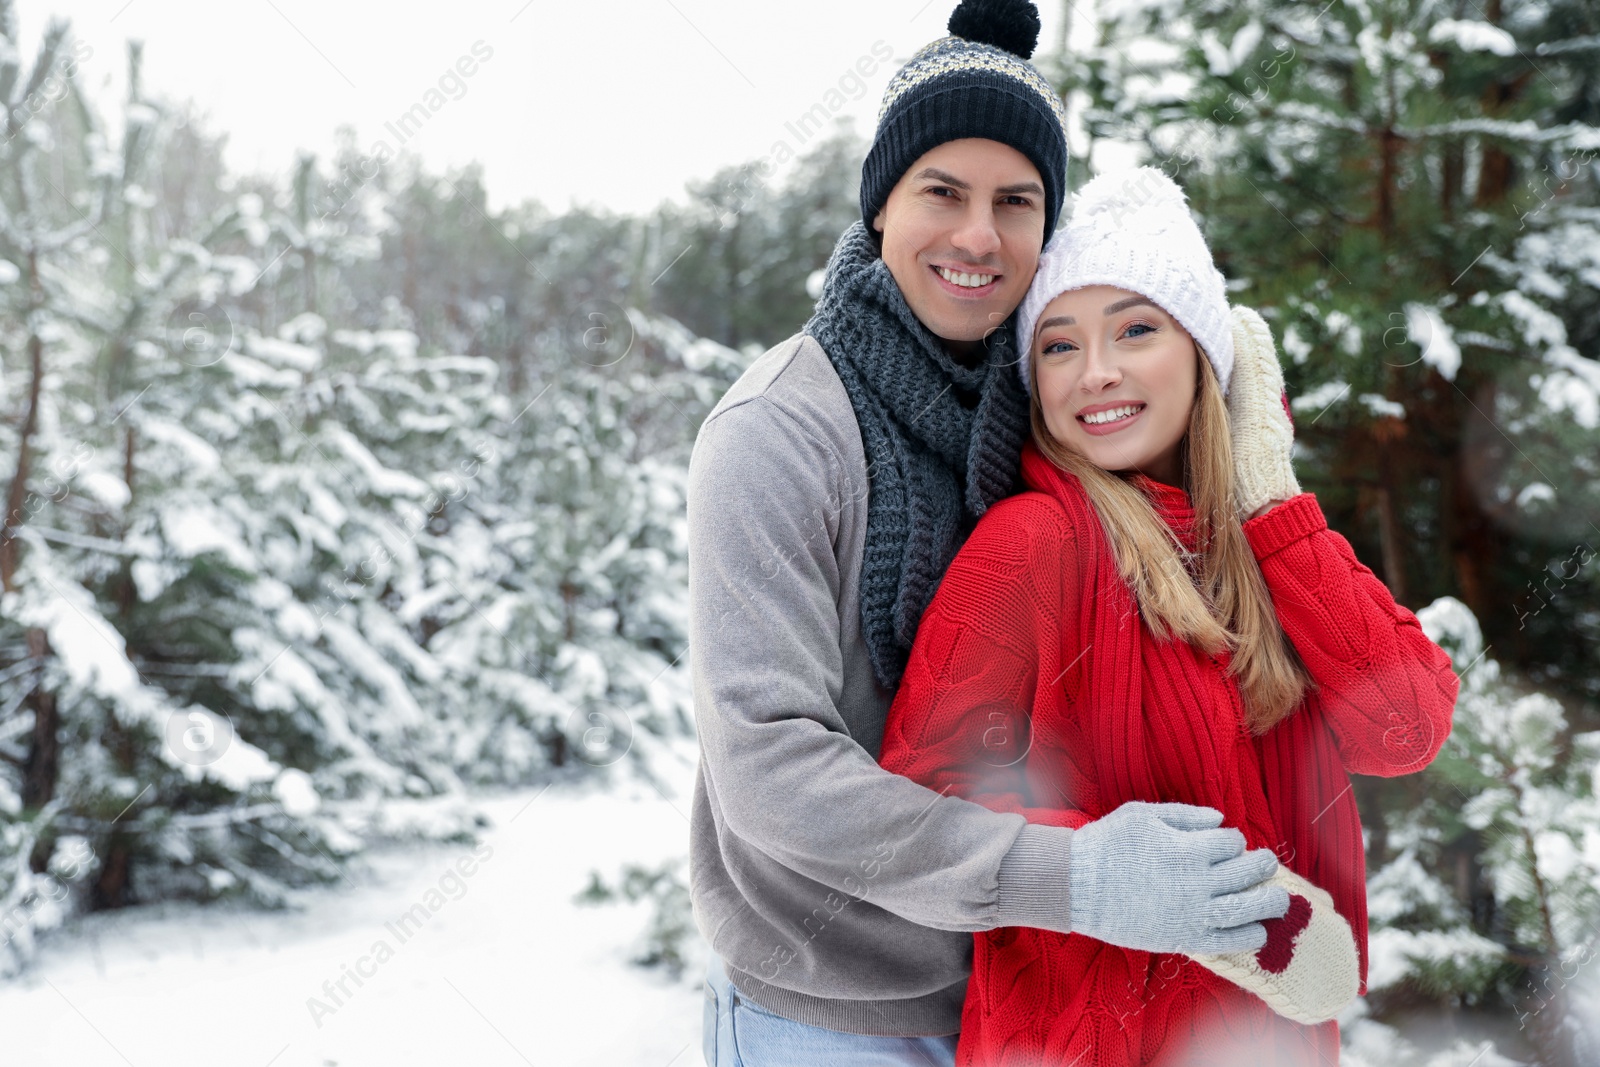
(741, 1033)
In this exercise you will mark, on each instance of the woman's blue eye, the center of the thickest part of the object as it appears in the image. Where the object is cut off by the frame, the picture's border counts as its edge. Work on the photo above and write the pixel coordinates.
(1056, 348)
(1143, 327)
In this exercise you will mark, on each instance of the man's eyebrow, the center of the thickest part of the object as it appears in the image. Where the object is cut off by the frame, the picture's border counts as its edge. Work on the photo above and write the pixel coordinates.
(939, 175)
(1021, 187)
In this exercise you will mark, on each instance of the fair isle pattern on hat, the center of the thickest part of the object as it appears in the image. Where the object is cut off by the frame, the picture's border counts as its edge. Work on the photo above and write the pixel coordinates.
(949, 55)
(1133, 230)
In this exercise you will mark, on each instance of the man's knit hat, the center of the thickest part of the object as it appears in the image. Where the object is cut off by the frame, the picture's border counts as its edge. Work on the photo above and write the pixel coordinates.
(1133, 230)
(974, 83)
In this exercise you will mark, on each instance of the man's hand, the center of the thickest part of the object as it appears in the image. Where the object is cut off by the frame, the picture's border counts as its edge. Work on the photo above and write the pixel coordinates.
(1169, 878)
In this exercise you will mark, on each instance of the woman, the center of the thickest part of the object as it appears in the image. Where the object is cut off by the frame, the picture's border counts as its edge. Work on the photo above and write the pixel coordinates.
(1163, 617)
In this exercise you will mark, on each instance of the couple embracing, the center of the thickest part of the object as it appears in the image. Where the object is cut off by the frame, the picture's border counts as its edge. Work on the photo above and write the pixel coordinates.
(1028, 681)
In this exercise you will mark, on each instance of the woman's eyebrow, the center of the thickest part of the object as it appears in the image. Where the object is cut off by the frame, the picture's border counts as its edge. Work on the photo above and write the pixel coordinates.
(1058, 320)
(1123, 305)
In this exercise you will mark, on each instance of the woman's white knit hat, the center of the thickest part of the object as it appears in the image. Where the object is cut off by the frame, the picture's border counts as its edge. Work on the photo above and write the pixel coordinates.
(1133, 230)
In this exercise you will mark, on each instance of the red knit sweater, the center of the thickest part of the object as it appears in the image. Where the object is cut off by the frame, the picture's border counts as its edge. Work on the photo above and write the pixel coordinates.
(1035, 687)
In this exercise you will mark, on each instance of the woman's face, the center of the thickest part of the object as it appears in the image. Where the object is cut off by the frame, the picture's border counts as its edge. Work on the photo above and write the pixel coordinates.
(1116, 379)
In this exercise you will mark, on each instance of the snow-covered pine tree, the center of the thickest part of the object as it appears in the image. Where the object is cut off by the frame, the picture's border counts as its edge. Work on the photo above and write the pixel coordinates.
(1410, 191)
(289, 580)
(1514, 792)
(67, 681)
(118, 578)
(577, 618)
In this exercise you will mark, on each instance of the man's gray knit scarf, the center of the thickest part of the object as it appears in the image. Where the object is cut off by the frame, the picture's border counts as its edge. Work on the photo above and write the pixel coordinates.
(934, 465)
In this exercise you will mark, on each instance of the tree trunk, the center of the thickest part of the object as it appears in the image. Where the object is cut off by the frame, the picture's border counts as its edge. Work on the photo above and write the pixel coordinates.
(1497, 173)
(1389, 144)
(556, 745)
(113, 888)
(408, 283)
(1495, 176)
(40, 770)
(18, 493)
(1470, 531)
(308, 259)
(569, 601)
(1394, 571)
(1452, 171)
(127, 592)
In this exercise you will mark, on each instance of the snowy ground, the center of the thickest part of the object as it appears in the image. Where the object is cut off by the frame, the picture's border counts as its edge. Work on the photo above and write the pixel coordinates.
(507, 971)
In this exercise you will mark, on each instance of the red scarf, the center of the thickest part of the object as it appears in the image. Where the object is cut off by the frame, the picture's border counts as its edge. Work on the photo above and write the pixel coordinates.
(1310, 820)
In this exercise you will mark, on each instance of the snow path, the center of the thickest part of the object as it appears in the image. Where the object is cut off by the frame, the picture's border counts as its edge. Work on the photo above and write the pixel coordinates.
(507, 971)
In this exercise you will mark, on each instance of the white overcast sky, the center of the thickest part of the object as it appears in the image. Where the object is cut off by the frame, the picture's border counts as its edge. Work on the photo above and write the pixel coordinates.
(613, 103)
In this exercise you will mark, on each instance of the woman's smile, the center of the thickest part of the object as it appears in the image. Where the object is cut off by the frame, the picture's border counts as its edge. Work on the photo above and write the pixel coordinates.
(1101, 419)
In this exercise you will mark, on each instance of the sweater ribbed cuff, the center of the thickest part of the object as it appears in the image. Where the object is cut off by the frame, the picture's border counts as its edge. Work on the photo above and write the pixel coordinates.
(1033, 880)
(936, 1014)
(1285, 524)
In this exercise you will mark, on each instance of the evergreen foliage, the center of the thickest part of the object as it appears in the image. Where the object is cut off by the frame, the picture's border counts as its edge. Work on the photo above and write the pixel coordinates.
(327, 504)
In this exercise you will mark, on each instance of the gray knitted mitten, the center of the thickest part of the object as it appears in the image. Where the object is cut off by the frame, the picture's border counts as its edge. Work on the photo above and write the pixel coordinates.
(1169, 878)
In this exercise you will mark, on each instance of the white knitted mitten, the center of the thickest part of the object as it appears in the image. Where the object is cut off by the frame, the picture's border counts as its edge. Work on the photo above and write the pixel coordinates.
(1308, 970)
(1262, 434)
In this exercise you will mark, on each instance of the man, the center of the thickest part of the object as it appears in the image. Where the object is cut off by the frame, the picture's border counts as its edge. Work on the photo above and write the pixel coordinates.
(829, 490)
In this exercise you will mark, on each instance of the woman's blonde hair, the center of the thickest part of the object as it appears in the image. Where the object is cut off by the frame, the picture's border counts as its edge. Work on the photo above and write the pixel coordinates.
(1214, 598)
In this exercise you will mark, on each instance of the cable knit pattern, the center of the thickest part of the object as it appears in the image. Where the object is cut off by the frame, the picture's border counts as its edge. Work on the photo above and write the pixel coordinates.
(1362, 648)
(934, 465)
(1035, 687)
(1258, 417)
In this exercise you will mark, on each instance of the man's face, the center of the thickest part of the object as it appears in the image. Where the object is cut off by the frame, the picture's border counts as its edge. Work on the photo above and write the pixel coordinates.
(962, 230)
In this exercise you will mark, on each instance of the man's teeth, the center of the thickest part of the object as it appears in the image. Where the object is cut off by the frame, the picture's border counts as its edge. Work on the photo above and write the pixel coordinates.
(966, 281)
(1112, 414)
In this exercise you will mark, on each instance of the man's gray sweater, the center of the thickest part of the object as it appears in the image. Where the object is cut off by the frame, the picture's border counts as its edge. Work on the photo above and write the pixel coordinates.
(837, 893)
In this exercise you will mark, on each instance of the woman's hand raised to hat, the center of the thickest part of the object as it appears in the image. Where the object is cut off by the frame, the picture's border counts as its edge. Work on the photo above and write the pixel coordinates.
(1258, 415)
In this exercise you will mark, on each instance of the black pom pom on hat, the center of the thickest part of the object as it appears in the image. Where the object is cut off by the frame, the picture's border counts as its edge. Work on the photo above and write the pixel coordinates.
(1009, 24)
